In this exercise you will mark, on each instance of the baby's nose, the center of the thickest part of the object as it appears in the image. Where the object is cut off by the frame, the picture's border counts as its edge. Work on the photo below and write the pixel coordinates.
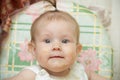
(56, 47)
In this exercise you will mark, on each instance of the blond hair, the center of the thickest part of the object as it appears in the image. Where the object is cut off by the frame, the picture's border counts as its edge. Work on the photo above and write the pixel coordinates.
(49, 16)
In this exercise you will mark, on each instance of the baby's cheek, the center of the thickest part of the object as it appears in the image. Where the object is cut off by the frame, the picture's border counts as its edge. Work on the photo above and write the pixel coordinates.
(71, 53)
(70, 50)
(44, 47)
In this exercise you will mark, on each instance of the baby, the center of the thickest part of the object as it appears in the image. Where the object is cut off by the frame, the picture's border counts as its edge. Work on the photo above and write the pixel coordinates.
(55, 45)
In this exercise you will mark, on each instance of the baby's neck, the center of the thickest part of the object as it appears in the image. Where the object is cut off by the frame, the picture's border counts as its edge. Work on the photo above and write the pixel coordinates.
(59, 74)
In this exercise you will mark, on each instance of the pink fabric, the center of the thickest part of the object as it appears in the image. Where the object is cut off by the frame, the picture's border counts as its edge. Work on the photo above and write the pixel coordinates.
(89, 60)
(24, 54)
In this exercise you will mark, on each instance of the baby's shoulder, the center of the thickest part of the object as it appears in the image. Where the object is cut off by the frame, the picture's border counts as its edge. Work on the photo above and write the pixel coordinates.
(34, 68)
(29, 73)
(26, 74)
(23, 75)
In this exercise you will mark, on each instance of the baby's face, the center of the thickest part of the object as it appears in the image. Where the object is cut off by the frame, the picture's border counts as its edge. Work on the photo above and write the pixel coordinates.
(55, 46)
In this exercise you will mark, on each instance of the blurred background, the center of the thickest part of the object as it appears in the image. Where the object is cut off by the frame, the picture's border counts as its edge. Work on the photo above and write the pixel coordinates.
(114, 32)
(109, 11)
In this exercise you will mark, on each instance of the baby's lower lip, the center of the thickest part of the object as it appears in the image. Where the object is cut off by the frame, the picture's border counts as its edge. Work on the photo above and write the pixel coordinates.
(56, 57)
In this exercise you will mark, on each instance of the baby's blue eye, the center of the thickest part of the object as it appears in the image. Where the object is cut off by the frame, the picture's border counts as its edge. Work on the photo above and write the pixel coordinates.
(65, 41)
(47, 40)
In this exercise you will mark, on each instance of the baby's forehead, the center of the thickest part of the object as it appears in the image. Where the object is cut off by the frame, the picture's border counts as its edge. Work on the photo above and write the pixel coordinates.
(60, 26)
(55, 15)
(46, 21)
(58, 23)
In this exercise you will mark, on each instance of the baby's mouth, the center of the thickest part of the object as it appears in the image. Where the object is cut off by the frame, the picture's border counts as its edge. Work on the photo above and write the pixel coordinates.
(56, 57)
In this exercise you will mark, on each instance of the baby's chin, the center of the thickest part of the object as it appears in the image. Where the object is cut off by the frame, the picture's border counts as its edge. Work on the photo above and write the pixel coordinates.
(58, 69)
(57, 65)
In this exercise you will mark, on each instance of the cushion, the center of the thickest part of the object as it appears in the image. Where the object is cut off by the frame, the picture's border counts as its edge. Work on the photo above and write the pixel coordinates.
(92, 36)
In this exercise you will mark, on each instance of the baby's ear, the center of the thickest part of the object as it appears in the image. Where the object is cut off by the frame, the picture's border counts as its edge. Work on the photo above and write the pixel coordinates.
(79, 48)
(31, 48)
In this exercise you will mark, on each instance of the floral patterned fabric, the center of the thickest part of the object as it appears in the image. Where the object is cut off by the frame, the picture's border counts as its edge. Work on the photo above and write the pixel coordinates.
(90, 60)
(93, 37)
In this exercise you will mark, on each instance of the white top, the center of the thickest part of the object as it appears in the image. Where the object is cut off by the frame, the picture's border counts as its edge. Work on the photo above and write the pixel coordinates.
(77, 73)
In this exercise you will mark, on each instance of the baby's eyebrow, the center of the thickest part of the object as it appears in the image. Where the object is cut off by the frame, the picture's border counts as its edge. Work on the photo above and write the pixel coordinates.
(68, 36)
(42, 36)
(45, 34)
